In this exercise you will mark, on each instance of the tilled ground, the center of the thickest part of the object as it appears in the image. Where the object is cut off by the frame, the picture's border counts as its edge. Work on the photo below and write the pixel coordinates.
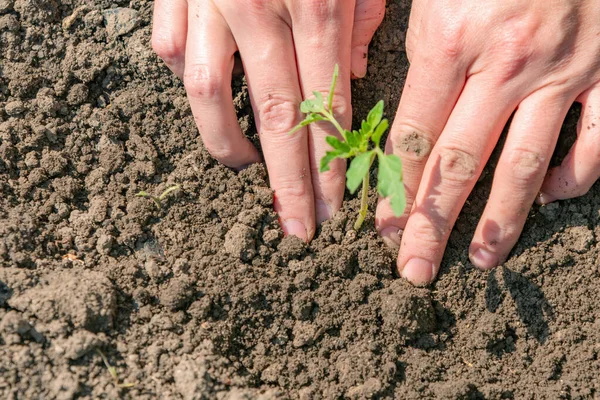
(204, 298)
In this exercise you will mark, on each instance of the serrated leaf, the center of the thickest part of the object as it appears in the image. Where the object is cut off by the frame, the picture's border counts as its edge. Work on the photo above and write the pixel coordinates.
(365, 128)
(306, 106)
(336, 71)
(375, 115)
(389, 182)
(310, 118)
(318, 103)
(381, 128)
(352, 138)
(359, 168)
(337, 144)
(329, 157)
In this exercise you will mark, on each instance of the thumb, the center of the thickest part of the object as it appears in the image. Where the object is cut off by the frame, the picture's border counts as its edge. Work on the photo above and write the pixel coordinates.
(368, 14)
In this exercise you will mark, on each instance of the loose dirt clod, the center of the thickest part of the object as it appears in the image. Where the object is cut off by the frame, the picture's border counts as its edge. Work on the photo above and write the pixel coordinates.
(208, 299)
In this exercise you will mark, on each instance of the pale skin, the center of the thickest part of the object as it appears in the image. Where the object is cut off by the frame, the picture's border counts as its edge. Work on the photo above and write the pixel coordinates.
(473, 63)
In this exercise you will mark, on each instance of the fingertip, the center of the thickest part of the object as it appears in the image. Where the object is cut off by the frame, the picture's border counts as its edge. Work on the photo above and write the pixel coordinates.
(323, 211)
(359, 60)
(253, 158)
(482, 258)
(544, 198)
(391, 236)
(418, 271)
(295, 227)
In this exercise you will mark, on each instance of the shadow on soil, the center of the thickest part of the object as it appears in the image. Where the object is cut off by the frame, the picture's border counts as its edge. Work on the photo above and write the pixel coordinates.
(5, 293)
(533, 309)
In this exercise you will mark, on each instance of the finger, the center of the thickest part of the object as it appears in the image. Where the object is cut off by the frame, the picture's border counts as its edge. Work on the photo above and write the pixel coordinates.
(581, 167)
(519, 174)
(269, 62)
(450, 174)
(368, 15)
(169, 31)
(208, 65)
(433, 84)
(417, 10)
(325, 29)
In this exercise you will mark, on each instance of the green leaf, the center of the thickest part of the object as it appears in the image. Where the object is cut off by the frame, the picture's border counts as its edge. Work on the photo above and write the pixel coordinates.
(352, 138)
(315, 105)
(389, 182)
(318, 102)
(336, 71)
(310, 118)
(329, 157)
(375, 115)
(167, 191)
(337, 144)
(365, 129)
(306, 106)
(383, 125)
(359, 168)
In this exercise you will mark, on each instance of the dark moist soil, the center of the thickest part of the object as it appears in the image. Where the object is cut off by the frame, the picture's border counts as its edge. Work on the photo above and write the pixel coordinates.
(204, 298)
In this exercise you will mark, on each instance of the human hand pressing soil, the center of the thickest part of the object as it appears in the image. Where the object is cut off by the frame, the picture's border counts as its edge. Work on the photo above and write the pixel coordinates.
(473, 64)
(288, 48)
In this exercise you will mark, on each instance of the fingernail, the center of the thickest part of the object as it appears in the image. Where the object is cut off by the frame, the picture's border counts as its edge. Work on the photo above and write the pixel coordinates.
(359, 61)
(323, 211)
(419, 272)
(392, 236)
(294, 227)
(484, 259)
(542, 199)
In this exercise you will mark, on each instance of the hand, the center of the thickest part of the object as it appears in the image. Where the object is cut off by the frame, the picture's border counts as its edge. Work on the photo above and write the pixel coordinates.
(288, 49)
(474, 63)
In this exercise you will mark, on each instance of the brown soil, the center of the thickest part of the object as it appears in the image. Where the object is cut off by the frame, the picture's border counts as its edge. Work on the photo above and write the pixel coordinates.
(203, 298)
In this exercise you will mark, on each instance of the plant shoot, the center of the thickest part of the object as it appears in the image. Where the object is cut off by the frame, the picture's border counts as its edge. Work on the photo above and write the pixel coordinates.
(362, 147)
(158, 199)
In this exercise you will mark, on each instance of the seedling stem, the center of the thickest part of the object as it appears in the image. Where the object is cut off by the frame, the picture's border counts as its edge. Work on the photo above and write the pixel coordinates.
(157, 199)
(362, 146)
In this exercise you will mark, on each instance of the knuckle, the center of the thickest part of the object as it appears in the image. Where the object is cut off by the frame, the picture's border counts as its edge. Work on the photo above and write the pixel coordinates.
(527, 166)
(449, 39)
(321, 10)
(433, 233)
(458, 166)
(278, 114)
(515, 48)
(291, 190)
(412, 144)
(167, 48)
(341, 108)
(200, 81)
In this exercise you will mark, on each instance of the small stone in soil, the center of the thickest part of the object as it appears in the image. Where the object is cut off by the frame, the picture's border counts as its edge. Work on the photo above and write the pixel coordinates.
(120, 21)
(240, 242)
(14, 108)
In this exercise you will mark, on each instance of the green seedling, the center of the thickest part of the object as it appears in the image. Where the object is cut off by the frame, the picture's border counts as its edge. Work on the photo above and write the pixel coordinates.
(113, 373)
(158, 199)
(362, 146)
